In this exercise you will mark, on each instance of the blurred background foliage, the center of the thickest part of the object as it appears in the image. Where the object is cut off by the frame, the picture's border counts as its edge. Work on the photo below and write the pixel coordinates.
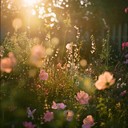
(69, 23)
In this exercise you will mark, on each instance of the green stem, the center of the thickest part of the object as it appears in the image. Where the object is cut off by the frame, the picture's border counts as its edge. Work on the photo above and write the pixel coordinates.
(63, 48)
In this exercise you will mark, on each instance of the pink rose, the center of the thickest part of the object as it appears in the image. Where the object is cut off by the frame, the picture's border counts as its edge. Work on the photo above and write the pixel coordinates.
(88, 122)
(48, 116)
(43, 75)
(104, 81)
(82, 97)
(29, 125)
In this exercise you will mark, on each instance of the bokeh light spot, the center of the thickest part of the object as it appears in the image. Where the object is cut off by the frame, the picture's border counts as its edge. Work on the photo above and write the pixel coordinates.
(49, 51)
(17, 23)
(83, 62)
(55, 41)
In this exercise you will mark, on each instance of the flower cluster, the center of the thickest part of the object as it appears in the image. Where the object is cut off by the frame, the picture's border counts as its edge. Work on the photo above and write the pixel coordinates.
(41, 90)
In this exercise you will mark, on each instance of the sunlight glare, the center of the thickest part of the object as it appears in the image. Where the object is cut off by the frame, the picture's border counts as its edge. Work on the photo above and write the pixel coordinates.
(30, 2)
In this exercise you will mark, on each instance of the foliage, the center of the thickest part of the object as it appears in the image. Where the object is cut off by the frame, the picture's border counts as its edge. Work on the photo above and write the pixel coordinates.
(32, 93)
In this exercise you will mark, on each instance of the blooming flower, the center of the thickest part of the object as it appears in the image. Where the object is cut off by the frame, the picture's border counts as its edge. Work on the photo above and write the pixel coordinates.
(123, 93)
(82, 97)
(30, 112)
(124, 44)
(48, 116)
(7, 63)
(69, 115)
(43, 75)
(29, 125)
(104, 81)
(58, 105)
(88, 122)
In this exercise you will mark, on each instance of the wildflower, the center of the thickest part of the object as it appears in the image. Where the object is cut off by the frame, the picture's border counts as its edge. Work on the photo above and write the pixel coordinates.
(69, 115)
(58, 105)
(82, 97)
(48, 116)
(104, 81)
(30, 112)
(123, 93)
(124, 45)
(88, 122)
(43, 75)
(29, 125)
(7, 63)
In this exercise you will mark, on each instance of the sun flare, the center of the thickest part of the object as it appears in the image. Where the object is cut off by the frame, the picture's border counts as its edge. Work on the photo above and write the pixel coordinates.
(30, 2)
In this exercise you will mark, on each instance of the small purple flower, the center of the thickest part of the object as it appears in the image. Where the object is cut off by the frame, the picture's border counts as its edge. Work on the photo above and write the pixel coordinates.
(86, 126)
(48, 116)
(123, 93)
(58, 105)
(30, 112)
(43, 75)
(29, 125)
(82, 97)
